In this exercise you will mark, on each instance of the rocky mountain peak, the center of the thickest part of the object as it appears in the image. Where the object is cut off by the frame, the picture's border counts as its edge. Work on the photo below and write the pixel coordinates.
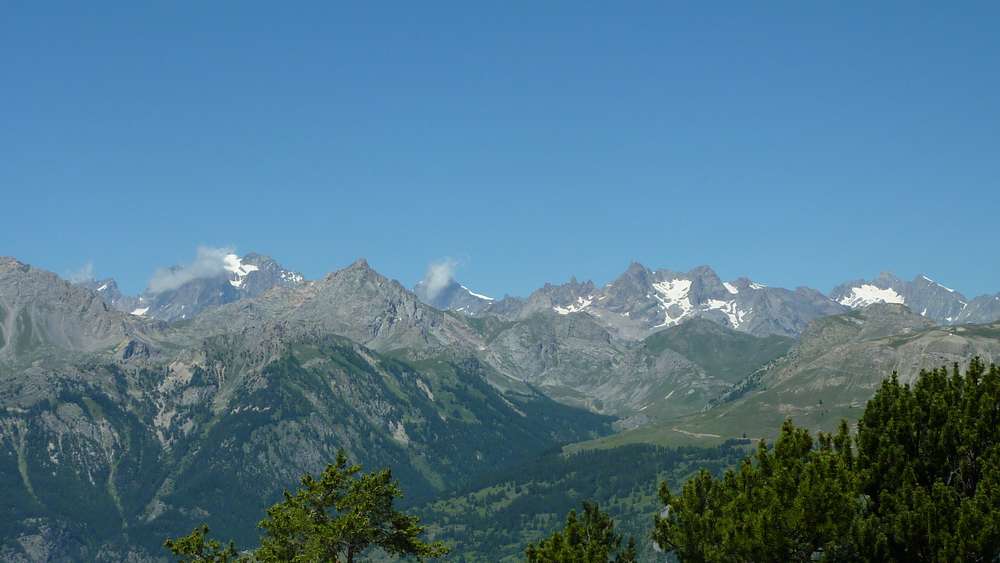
(233, 279)
(453, 297)
(360, 264)
(923, 296)
(108, 289)
(705, 283)
(255, 258)
(635, 272)
(888, 277)
(358, 272)
(11, 263)
(705, 272)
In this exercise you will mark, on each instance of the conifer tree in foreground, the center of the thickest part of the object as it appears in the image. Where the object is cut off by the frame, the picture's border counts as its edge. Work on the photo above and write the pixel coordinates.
(197, 547)
(334, 518)
(919, 482)
(588, 538)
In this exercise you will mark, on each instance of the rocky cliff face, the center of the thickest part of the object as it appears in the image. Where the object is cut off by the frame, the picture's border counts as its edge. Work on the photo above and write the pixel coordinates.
(982, 309)
(42, 314)
(109, 291)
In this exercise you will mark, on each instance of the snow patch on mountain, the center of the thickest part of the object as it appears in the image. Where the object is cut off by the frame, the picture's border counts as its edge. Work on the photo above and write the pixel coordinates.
(139, 311)
(731, 288)
(291, 277)
(477, 295)
(867, 294)
(235, 266)
(674, 299)
(581, 304)
(732, 311)
(928, 280)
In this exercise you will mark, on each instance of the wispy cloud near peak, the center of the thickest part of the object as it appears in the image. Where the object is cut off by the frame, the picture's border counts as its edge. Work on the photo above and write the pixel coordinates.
(439, 274)
(208, 262)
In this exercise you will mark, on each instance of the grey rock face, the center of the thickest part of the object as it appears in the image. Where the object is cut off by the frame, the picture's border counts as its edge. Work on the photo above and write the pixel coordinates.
(187, 300)
(40, 313)
(982, 309)
(576, 360)
(108, 289)
(268, 274)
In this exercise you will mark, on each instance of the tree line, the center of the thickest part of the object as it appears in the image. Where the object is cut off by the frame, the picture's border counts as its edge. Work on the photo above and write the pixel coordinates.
(918, 480)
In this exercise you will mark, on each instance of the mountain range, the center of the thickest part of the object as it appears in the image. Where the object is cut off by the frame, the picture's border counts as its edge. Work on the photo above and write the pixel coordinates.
(202, 398)
(580, 344)
(641, 301)
(637, 303)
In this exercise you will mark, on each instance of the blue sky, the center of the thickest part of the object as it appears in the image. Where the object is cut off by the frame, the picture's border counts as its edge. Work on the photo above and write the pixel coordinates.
(798, 143)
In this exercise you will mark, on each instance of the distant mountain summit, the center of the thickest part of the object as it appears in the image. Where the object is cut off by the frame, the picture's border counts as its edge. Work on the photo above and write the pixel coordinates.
(108, 289)
(453, 297)
(238, 278)
(923, 296)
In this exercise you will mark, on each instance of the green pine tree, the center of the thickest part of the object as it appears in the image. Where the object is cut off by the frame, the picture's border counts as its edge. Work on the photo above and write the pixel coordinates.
(197, 547)
(919, 482)
(929, 468)
(590, 538)
(792, 503)
(334, 518)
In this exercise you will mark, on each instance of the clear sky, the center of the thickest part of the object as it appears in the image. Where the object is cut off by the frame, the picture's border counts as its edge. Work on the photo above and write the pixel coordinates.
(798, 143)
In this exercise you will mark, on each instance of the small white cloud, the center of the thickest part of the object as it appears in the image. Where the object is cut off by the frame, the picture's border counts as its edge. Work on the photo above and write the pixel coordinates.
(439, 275)
(83, 274)
(208, 262)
